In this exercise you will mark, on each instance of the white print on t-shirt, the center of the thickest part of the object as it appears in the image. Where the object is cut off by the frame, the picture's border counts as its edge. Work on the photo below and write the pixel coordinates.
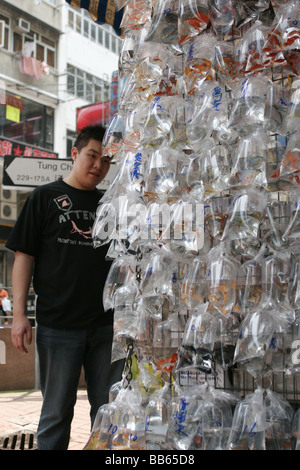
(67, 215)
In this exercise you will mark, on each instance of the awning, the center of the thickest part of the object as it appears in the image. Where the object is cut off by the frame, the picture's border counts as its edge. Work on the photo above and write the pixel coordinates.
(94, 114)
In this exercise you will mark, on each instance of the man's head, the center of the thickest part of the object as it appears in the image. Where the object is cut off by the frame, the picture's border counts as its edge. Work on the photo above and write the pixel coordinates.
(89, 167)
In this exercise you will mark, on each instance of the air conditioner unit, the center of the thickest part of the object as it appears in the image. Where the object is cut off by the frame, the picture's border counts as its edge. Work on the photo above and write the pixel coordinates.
(8, 195)
(23, 25)
(8, 211)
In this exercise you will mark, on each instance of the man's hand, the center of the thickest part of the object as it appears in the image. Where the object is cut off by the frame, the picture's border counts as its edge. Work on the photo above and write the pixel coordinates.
(21, 329)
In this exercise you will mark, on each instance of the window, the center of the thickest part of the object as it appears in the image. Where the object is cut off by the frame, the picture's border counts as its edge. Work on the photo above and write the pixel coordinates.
(4, 32)
(87, 86)
(35, 126)
(35, 45)
(82, 22)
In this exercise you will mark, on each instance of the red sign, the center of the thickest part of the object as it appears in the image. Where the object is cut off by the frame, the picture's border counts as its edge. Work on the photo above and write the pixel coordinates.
(17, 149)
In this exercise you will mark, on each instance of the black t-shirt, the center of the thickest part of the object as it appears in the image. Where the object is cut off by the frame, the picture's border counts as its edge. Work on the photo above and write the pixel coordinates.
(55, 226)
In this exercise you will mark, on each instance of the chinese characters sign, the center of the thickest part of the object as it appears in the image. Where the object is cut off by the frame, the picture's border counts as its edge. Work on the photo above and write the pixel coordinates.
(17, 149)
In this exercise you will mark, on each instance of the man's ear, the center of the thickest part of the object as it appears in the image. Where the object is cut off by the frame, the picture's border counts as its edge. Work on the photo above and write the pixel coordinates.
(74, 153)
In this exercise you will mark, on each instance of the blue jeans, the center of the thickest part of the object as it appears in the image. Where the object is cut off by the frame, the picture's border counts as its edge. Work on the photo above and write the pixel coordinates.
(62, 353)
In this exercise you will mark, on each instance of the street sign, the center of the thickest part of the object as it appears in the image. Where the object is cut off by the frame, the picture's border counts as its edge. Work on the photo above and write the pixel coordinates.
(29, 172)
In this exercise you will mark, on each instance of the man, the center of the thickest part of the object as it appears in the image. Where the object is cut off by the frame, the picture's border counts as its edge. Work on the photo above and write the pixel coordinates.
(52, 240)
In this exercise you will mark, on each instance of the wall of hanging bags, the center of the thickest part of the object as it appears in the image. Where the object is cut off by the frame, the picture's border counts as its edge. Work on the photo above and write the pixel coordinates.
(203, 221)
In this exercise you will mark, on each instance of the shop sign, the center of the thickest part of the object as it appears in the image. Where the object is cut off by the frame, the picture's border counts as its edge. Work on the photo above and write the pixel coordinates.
(17, 149)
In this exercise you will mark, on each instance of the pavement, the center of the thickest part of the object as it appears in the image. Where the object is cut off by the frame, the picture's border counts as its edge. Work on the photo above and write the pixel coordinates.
(20, 411)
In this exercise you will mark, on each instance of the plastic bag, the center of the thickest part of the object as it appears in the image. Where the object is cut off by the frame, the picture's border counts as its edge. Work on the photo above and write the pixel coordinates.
(255, 338)
(123, 423)
(249, 283)
(193, 287)
(113, 138)
(215, 410)
(250, 101)
(166, 341)
(275, 220)
(296, 430)
(225, 62)
(158, 126)
(126, 315)
(221, 280)
(249, 162)
(292, 232)
(183, 424)
(249, 423)
(161, 172)
(192, 19)
(208, 171)
(158, 411)
(244, 216)
(209, 108)
(150, 315)
(279, 422)
(221, 15)
(195, 352)
(198, 65)
(164, 26)
(136, 13)
(120, 272)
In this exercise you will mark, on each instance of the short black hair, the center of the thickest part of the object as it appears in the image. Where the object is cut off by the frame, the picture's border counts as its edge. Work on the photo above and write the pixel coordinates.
(88, 133)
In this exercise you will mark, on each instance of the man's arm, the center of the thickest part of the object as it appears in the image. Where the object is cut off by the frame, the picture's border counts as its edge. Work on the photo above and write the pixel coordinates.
(21, 278)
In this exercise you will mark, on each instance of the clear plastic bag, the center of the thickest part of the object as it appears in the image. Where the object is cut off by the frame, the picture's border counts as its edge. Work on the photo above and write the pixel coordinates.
(279, 421)
(195, 352)
(250, 101)
(198, 65)
(209, 108)
(123, 423)
(249, 162)
(296, 430)
(275, 220)
(113, 138)
(121, 271)
(208, 171)
(158, 411)
(126, 314)
(158, 126)
(256, 334)
(192, 19)
(216, 416)
(183, 424)
(221, 15)
(249, 283)
(221, 276)
(136, 14)
(245, 215)
(166, 341)
(161, 172)
(225, 62)
(164, 26)
(193, 287)
(249, 423)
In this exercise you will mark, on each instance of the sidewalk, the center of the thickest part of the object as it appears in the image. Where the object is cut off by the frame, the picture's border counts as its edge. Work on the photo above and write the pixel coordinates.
(21, 410)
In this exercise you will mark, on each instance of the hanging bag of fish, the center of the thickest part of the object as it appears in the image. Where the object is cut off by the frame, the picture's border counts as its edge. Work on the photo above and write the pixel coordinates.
(123, 423)
(249, 423)
(195, 352)
(279, 422)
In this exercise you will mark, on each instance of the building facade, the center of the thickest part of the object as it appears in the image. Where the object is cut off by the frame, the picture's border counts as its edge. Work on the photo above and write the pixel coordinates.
(54, 60)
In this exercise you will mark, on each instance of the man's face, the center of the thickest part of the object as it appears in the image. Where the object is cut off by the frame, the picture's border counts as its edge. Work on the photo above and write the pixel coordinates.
(90, 167)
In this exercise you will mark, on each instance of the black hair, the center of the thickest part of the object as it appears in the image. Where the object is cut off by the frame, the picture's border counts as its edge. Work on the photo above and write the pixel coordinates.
(88, 133)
